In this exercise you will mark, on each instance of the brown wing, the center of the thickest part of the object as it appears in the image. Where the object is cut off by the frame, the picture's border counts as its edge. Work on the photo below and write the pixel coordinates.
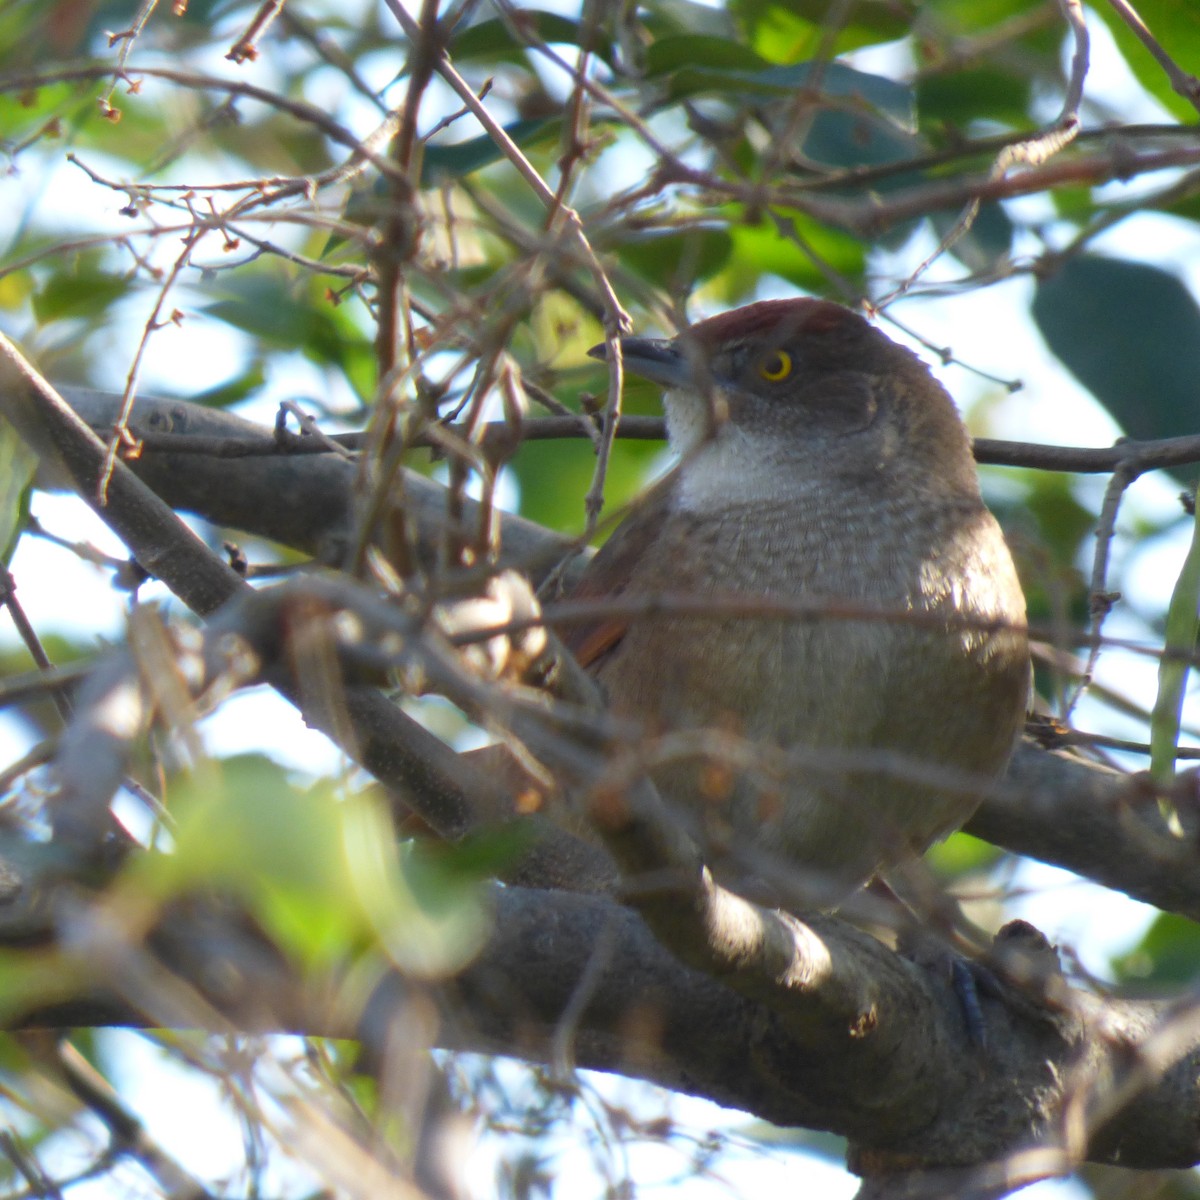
(608, 574)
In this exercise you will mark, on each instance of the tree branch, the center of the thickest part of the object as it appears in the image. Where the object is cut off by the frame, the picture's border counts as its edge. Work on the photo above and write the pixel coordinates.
(582, 972)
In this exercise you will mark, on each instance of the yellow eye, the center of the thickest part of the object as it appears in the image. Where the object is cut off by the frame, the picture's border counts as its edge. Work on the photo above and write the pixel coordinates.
(776, 366)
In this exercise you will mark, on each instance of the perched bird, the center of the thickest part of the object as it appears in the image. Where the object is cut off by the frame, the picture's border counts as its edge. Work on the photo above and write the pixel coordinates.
(865, 644)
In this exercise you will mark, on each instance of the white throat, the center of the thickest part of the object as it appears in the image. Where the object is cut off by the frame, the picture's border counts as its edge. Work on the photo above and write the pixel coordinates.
(729, 468)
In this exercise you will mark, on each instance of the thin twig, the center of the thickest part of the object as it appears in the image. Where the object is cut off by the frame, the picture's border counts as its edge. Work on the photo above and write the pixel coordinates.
(29, 637)
(153, 324)
(299, 109)
(246, 47)
(615, 316)
(1186, 85)
(1033, 151)
(126, 37)
(1100, 599)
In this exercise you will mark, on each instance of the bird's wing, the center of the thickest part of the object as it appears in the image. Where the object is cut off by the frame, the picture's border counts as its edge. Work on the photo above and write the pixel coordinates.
(609, 573)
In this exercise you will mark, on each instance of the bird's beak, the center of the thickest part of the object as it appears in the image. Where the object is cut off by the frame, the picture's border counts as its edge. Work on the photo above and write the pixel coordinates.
(657, 359)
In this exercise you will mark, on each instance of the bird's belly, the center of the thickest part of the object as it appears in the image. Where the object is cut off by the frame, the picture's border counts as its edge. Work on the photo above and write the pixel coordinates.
(836, 767)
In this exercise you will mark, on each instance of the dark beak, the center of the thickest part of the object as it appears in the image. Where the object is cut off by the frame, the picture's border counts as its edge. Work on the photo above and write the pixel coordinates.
(656, 359)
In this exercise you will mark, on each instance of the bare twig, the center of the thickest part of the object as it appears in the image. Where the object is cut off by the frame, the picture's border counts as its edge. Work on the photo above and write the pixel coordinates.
(246, 47)
(153, 323)
(128, 1133)
(1033, 151)
(126, 37)
(310, 114)
(616, 319)
(1185, 84)
(1100, 599)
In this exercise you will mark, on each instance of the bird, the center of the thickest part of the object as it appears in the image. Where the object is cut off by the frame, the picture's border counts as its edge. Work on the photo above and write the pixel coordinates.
(852, 623)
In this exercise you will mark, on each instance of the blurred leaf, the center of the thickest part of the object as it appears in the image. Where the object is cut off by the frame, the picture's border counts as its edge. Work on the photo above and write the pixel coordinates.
(989, 238)
(1131, 334)
(1169, 953)
(1063, 524)
(494, 39)
(1075, 203)
(23, 114)
(243, 829)
(17, 466)
(984, 93)
(965, 17)
(674, 261)
(666, 54)
(459, 159)
(1173, 667)
(688, 16)
(31, 979)
(1175, 24)
(1186, 207)
(233, 391)
(83, 291)
(785, 32)
(441, 866)
(834, 80)
(848, 139)
(960, 854)
(321, 874)
(554, 476)
(761, 249)
(859, 119)
(16, 288)
(272, 142)
(289, 317)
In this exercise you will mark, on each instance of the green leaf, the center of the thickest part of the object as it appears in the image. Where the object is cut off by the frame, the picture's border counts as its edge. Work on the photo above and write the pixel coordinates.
(235, 390)
(785, 32)
(667, 54)
(554, 476)
(1169, 953)
(984, 93)
(1183, 619)
(665, 17)
(1175, 25)
(841, 138)
(1076, 204)
(961, 854)
(833, 80)
(988, 239)
(17, 466)
(31, 979)
(675, 260)
(459, 159)
(860, 119)
(323, 875)
(762, 249)
(83, 291)
(1130, 333)
(289, 317)
(1063, 524)
(494, 40)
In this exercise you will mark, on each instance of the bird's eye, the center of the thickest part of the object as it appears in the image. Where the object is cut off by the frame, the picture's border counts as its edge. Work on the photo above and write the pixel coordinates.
(776, 366)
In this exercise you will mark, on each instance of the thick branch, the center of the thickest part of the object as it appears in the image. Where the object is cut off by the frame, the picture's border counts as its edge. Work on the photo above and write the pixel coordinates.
(583, 977)
(177, 427)
(301, 500)
(1095, 822)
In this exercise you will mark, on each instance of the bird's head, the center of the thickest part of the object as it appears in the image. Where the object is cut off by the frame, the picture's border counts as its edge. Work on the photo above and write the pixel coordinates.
(801, 388)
